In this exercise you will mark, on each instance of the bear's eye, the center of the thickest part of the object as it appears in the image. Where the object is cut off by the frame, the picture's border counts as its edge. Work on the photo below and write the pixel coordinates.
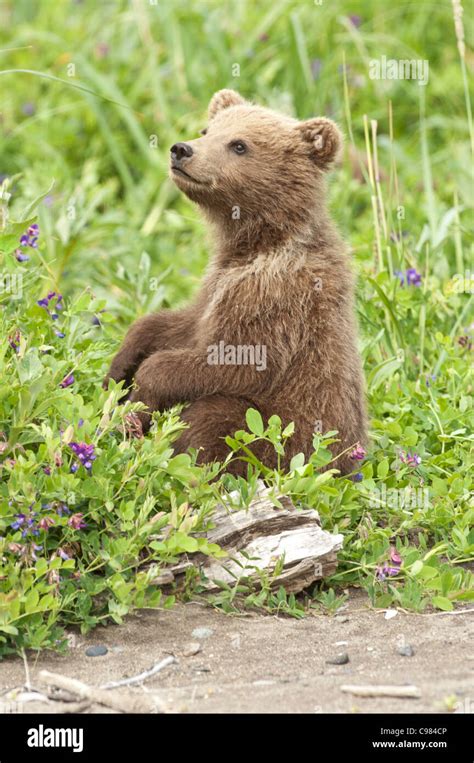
(238, 146)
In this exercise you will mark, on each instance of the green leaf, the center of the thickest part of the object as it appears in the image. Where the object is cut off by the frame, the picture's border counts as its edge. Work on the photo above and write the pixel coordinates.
(441, 602)
(183, 542)
(254, 422)
(33, 204)
(9, 629)
(31, 600)
(297, 462)
(416, 567)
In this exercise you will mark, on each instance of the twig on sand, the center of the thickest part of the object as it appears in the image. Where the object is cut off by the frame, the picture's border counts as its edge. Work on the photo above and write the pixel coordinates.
(119, 701)
(382, 691)
(138, 679)
(452, 612)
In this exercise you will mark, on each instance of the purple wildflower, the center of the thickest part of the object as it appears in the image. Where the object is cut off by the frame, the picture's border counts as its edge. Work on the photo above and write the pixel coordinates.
(14, 341)
(62, 509)
(395, 556)
(67, 381)
(359, 453)
(19, 522)
(399, 274)
(45, 302)
(386, 570)
(26, 524)
(47, 470)
(358, 477)
(84, 452)
(391, 568)
(95, 320)
(77, 521)
(45, 523)
(20, 256)
(355, 20)
(59, 334)
(411, 277)
(34, 548)
(30, 238)
(63, 554)
(31, 526)
(411, 459)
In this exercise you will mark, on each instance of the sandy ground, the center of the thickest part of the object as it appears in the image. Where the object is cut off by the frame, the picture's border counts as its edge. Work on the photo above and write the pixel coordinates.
(274, 664)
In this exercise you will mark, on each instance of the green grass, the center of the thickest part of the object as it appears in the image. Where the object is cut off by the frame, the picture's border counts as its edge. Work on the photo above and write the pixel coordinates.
(117, 236)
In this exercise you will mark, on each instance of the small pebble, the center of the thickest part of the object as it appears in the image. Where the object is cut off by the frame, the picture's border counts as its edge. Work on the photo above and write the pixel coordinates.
(340, 659)
(96, 651)
(406, 650)
(190, 649)
(341, 619)
(202, 632)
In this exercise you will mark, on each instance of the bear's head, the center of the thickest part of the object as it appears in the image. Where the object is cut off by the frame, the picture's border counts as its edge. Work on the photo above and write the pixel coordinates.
(251, 163)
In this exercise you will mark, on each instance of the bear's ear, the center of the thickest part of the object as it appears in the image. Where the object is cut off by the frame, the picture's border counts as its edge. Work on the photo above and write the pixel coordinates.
(324, 140)
(222, 100)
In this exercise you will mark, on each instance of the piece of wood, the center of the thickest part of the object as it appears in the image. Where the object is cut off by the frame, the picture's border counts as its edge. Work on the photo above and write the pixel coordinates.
(123, 702)
(382, 691)
(255, 539)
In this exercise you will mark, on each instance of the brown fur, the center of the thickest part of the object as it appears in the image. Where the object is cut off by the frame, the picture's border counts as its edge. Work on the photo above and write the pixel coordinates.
(280, 278)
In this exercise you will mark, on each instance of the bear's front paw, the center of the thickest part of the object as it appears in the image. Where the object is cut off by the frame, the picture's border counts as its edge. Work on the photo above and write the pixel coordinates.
(143, 394)
(135, 425)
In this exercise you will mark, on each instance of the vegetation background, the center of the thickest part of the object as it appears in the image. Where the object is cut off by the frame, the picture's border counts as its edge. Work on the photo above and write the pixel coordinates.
(92, 97)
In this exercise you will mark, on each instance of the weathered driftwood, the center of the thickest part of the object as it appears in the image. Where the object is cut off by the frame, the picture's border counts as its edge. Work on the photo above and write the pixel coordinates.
(256, 538)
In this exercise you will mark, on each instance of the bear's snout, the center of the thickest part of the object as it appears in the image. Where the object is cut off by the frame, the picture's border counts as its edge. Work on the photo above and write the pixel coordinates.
(180, 151)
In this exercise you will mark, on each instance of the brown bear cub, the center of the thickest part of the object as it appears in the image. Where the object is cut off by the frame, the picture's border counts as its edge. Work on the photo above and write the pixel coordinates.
(273, 325)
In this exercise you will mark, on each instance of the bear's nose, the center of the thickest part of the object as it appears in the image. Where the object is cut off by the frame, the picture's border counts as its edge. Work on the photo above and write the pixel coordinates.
(180, 151)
